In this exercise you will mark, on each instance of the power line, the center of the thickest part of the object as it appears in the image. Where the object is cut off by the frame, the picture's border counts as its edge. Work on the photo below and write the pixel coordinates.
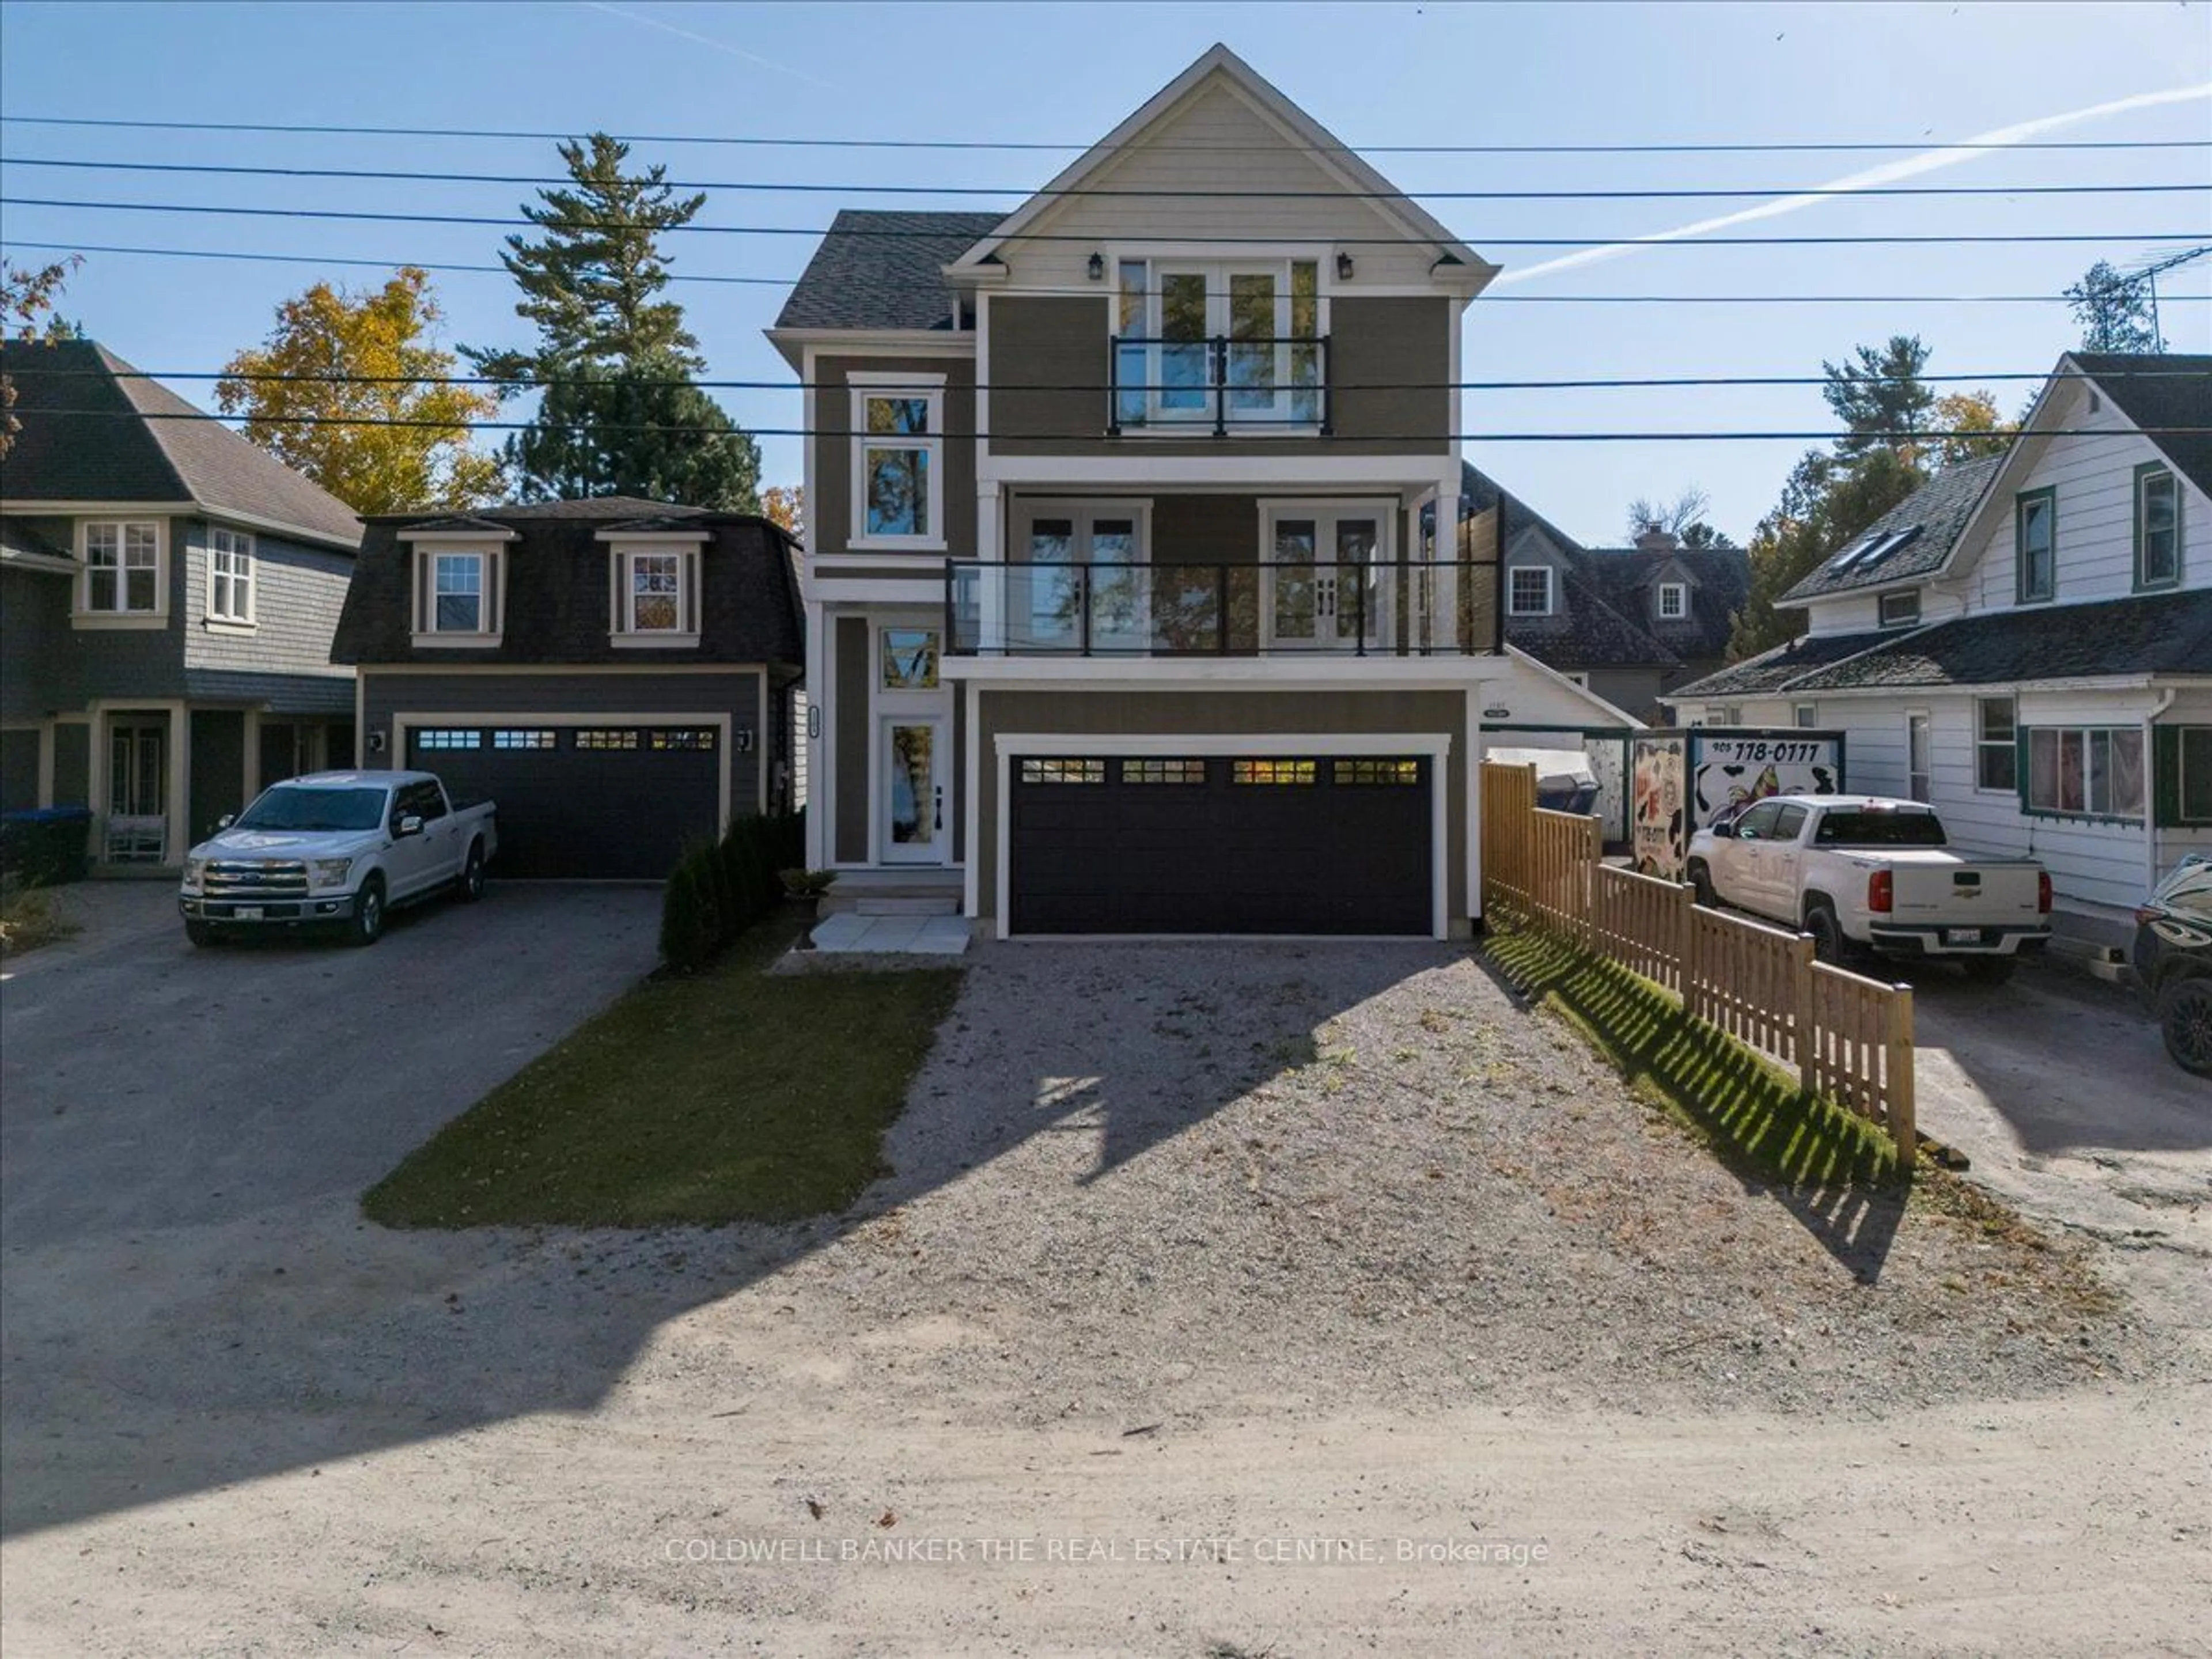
(1013, 146)
(886, 233)
(1338, 441)
(763, 186)
(31, 370)
(1491, 299)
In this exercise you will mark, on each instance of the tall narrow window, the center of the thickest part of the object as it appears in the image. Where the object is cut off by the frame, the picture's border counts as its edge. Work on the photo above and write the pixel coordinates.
(2158, 527)
(230, 575)
(459, 608)
(1996, 744)
(2035, 540)
(898, 481)
(1919, 764)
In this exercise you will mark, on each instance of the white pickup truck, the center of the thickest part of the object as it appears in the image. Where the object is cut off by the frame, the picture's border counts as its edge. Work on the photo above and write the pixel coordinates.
(1861, 873)
(338, 848)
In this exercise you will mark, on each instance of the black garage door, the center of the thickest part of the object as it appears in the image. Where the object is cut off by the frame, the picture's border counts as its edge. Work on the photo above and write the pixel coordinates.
(1263, 843)
(578, 800)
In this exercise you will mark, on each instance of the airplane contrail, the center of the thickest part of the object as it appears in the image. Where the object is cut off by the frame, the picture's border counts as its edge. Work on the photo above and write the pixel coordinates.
(708, 40)
(1888, 172)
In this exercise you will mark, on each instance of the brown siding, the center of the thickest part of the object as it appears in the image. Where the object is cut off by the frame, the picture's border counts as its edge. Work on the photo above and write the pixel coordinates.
(832, 515)
(1388, 360)
(1110, 714)
(849, 709)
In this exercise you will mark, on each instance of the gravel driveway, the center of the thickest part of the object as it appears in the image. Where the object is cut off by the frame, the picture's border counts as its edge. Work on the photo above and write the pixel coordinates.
(1346, 1211)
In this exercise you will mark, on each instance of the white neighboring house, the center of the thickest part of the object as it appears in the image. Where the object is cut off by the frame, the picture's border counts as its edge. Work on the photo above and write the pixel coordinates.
(2026, 641)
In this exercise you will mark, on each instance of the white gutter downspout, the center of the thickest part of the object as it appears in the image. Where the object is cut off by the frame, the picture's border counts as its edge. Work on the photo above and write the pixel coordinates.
(2150, 785)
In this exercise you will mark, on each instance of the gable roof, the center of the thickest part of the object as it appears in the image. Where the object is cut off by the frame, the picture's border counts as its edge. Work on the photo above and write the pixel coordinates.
(2172, 389)
(1328, 153)
(884, 270)
(77, 399)
(1939, 511)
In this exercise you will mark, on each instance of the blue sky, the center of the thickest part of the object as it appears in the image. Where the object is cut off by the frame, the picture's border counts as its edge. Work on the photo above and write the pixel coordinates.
(1377, 74)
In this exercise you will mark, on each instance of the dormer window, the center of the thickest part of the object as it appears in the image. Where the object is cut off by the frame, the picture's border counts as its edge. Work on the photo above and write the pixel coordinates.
(1529, 590)
(461, 595)
(655, 599)
(898, 475)
(1900, 609)
(1673, 601)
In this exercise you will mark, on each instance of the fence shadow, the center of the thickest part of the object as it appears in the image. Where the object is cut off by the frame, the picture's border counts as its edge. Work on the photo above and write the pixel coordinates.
(1836, 1173)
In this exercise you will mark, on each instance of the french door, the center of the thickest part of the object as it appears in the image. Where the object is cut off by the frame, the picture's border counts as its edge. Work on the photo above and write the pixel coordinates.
(1084, 583)
(1268, 317)
(1324, 587)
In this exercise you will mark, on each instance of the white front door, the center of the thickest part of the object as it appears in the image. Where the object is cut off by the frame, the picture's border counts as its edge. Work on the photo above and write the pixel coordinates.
(913, 824)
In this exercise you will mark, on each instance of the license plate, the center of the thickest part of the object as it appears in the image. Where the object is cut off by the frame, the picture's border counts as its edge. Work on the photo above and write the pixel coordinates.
(1962, 936)
(247, 913)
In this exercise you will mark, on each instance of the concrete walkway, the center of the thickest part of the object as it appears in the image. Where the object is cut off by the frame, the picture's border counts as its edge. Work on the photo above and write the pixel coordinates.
(850, 934)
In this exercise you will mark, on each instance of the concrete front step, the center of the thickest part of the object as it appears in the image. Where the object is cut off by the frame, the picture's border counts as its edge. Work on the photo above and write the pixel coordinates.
(884, 904)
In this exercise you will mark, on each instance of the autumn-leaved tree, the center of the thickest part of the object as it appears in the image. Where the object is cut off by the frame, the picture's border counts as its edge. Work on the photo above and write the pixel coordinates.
(1971, 427)
(353, 390)
(786, 505)
(1828, 499)
(26, 313)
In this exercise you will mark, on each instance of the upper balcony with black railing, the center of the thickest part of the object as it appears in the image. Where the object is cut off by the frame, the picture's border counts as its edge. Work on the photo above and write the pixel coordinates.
(1221, 385)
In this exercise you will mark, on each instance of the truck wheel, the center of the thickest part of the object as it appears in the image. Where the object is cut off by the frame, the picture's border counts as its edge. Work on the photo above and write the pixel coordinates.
(472, 875)
(366, 926)
(2185, 1019)
(1701, 887)
(200, 934)
(1828, 943)
(1988, 970)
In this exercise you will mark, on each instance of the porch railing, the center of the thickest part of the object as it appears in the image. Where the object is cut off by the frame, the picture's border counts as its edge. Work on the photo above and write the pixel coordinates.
(1215, 609)
(1221, 384)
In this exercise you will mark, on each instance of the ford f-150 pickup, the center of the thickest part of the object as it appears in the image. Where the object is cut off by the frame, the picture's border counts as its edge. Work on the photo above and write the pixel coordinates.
(339, 849)
(1861, 873)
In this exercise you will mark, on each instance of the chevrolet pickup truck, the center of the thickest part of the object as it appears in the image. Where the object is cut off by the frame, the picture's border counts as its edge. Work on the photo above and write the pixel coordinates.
(1863, 874)
(337, 848)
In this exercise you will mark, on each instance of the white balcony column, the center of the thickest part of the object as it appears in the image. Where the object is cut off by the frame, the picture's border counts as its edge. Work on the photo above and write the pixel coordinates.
(991, 583)
(1443, 550)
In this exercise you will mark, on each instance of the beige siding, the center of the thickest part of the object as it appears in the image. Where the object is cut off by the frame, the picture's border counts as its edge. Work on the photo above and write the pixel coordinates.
(1270, 189)
(1107, 713)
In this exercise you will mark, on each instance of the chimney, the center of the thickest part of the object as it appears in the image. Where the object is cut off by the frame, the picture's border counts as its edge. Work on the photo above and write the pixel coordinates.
(1656, 540)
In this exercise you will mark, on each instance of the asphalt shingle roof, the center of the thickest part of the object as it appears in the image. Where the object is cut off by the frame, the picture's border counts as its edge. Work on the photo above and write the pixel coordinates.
(1774, 670)
(1938, 510)
(19, 538)
(2171, 390)
(883, 269)
(2152, 633)
(1628, 578)
(556, 588)
(75, 399)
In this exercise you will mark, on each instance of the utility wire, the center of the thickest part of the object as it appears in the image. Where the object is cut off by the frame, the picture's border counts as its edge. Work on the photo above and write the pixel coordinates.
(27, 367)
(1338, 441)
(1086, 192)
(886, 233)
(1488, 299)
(1011, 146)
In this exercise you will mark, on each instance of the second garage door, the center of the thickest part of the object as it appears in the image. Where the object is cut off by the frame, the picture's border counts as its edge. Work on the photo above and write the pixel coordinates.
(611, 802)
(1220, 844)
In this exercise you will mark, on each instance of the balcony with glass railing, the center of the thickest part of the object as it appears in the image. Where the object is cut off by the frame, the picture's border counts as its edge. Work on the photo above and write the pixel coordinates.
(1274, 608)
(1219, 385)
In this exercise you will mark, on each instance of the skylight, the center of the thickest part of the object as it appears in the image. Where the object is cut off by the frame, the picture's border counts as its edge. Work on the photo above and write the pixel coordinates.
(1872, 549)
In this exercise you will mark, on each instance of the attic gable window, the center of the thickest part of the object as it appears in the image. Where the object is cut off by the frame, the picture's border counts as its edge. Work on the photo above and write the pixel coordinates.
(1673, 601)
(1529, 590)
(2035, 544)
(2158, 527)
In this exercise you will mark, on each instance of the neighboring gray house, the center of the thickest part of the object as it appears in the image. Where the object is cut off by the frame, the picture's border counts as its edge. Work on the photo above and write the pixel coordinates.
(168, 593)
(621, 677)
(1119, 613)
(1631, 624)
(2027, 640)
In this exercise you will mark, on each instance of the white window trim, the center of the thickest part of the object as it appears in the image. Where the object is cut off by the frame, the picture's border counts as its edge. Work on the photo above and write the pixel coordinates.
(1981, 743)
(2088, 730)
(246, 579)
(1680, 593)
(1551, 590)
(1881, 616)
(622, 633)
(82, 614)
(1798, 712)
(1926, 720)
(1083, 512)
(864, 384)
(1186, 257)
(1327, 514)
(494, 593)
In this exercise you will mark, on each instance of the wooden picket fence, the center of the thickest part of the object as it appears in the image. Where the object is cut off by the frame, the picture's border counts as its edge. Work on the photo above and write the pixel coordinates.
(1848, 1037)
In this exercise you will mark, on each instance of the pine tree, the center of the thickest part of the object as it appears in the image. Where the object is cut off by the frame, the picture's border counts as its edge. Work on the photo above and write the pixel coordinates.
(2114, 310)
(614, 429)
(1880, 394)
(1828, 500)
(591, 284)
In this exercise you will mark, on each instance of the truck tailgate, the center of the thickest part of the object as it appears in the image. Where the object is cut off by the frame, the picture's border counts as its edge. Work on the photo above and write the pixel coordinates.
(1941, 886)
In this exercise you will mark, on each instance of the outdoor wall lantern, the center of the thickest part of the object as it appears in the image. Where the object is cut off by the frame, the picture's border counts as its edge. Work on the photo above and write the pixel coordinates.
(1097, 267)
(1343, 267)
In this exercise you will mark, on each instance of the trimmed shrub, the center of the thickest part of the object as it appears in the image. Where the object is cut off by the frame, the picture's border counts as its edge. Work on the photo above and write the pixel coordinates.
(687, 922)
